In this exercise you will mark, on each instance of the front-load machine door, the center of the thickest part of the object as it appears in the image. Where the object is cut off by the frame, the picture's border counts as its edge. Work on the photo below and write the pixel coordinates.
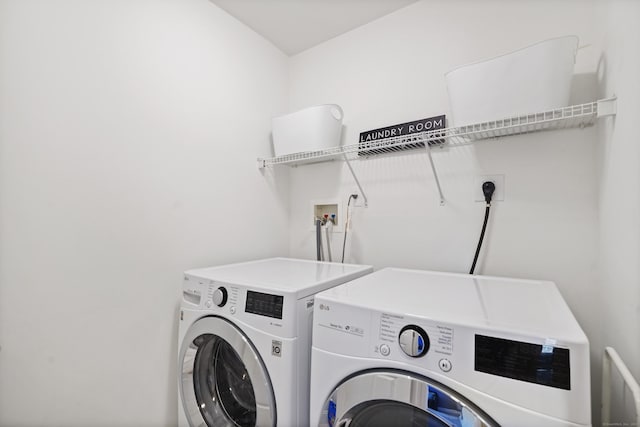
(223, 381)
(399, 399)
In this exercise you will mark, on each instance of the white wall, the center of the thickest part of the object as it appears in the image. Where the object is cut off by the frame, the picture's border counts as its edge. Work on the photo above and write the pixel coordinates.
(392, 71)
(121, 165)
(128, 137)
(619, 179)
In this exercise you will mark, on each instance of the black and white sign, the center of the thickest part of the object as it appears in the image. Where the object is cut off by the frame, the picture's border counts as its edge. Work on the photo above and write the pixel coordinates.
(376, 140)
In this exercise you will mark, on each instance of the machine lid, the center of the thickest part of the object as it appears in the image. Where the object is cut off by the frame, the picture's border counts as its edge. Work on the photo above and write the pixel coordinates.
(223, 381)
(381, 398)
(531, 307)
(284, 275)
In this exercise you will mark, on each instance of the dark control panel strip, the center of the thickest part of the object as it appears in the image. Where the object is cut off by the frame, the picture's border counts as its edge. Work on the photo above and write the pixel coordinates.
(264, 304)
(540, 364)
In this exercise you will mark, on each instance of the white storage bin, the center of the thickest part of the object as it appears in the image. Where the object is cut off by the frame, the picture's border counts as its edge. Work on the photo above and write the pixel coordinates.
(533, 79)
(311, 129)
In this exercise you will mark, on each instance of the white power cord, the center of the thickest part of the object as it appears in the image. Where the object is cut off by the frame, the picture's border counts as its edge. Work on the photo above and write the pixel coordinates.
(328, 228)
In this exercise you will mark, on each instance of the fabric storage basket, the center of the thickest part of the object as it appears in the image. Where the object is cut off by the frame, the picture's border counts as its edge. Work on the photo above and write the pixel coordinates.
(311, 129)
(532, 79)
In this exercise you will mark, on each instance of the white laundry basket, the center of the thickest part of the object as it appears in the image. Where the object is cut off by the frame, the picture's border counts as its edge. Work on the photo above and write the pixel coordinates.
(532, 79)
(311, 129)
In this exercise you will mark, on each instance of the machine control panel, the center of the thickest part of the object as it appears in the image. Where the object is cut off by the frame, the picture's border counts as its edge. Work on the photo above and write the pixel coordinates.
(413, 341)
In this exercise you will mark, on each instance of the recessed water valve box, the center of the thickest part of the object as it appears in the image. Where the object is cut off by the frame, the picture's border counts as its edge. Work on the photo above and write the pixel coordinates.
(327, 211)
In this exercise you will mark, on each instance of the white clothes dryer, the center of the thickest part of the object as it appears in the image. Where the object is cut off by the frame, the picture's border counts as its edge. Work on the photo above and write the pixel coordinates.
(414, 348)
(245, 341)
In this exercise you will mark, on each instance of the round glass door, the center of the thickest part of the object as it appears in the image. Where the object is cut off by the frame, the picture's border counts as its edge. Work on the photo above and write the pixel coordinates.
(384, 413)
(399, 399)
(223, 380)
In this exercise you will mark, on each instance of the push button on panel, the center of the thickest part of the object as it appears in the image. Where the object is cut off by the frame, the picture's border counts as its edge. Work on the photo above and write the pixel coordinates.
(385, 350)
(445, 365)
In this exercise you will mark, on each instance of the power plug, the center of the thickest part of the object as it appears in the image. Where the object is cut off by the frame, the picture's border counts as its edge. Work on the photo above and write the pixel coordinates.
(488, 187)
(498, 192)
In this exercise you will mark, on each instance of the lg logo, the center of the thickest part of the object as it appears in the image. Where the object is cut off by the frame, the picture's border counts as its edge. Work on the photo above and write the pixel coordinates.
(324, 307)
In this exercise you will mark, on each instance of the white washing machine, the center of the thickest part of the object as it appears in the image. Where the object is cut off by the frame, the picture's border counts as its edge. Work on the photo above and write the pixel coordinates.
(245, 341)
(415, 348)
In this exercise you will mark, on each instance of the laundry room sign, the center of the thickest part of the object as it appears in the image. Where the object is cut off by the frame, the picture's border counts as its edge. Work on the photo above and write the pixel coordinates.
(389, 139)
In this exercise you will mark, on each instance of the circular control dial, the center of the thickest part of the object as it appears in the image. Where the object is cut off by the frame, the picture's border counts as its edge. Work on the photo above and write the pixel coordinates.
(414, 341)
(220, 296)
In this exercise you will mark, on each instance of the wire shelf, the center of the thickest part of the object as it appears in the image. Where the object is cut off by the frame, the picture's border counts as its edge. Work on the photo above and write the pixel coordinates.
(561, 118)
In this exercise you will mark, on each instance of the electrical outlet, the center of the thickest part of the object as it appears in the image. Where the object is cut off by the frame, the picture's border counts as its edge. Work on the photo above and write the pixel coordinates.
(356, 203)
(498, 180)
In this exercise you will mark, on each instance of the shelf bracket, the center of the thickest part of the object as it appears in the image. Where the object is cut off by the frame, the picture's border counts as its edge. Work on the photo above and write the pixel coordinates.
(435, 173)
(364, 196)
(608, 106)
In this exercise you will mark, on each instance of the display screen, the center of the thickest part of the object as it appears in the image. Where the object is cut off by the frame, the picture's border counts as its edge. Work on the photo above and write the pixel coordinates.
(264, 304)
(541, 364)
